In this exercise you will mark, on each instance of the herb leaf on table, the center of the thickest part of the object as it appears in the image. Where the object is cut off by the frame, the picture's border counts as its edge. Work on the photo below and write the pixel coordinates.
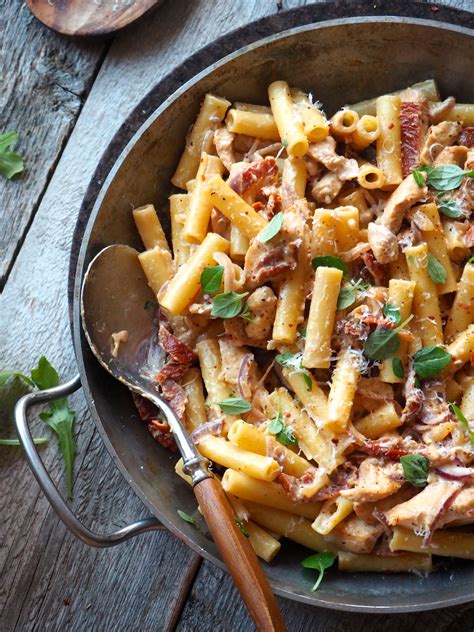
(10, 162)
(58, 416)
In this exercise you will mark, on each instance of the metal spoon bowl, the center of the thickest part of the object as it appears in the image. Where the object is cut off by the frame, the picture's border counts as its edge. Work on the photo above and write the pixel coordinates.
(114, 297)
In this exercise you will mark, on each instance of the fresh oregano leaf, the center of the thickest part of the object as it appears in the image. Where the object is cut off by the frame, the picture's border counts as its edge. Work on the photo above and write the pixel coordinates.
(384, 342)
(211, 279)
(292, 361)
(436, 271)
(415, 469)
(186, 517)
(272, 229)
(329, 261)
(397, 367)
(392, 312)
(447, 177)
(320, 562)
(234, 406)
(430, 361)
(10, 162)
(459, 414)
(228, 304)
(449, 208)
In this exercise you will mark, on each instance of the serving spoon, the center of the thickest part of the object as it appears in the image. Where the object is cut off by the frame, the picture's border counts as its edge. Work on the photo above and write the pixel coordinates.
(114, 295)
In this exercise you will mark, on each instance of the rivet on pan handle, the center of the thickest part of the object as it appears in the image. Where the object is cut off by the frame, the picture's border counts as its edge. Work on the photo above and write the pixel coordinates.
(48, 487)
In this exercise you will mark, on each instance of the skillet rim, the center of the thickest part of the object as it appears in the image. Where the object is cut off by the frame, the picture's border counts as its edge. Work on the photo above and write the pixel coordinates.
(86, 220)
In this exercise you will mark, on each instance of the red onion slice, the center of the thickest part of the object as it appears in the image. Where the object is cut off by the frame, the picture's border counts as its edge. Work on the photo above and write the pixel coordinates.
(455, 472)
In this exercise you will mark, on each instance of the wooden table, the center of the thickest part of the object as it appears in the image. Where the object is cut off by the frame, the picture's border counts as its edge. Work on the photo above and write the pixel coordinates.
(67, 99)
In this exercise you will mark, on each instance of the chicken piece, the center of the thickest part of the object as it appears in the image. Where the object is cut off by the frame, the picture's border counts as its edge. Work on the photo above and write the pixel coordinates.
(325, 153)
(305, 487)
(438, 111)
(355, 535)
(404, 197)
(233, 357)
(383, 242)
(455, 155)
(439, 136)
(223, 141)
(461, 510)
(376, 481)
(327, 188)
(262, 307)
(255, 174)
(265, 261)
(423, 512)
(370, 511)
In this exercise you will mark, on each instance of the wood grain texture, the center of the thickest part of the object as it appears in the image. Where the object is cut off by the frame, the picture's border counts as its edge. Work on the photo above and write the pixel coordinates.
(239, 556)
(144, 584)
(89, 19)
(45, 80)
(213, 604)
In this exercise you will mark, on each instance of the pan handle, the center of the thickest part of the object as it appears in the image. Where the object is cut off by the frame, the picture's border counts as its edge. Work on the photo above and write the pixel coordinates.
(48, 487)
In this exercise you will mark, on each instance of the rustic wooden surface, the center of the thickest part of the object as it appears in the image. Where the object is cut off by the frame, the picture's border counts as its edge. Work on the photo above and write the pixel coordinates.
(67, 100)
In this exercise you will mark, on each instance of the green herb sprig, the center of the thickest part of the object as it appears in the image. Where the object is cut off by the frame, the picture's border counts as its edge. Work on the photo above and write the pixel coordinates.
(384, 342)
(392, 312)
(348, 294)
(442, 178)
(329, 261)
(228, 304)
(282, 433)
(415, 469)
(186, 517)
(211, 279)
(16, 443)
(234, 406)
(397, 368)
(436, 271)
(320, 562)
(430, 361)
(240, 524)
(10, 162)
(449, 208)
(459, 414)
(272, 229)
(292, 361)
(58, 416)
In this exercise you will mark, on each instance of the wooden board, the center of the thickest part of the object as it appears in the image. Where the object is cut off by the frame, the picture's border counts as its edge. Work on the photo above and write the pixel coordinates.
(144, 584)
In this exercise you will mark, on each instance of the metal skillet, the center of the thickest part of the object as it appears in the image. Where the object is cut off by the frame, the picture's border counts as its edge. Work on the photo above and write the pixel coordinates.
(319, 48)
(113, 295)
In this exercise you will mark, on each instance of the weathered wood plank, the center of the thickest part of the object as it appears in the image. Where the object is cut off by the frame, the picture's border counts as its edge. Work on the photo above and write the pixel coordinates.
(40, 564)
(214, 604)
(45, 79)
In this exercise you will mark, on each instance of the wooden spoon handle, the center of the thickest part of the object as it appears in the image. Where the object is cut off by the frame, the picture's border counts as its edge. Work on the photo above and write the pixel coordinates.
(239, 556)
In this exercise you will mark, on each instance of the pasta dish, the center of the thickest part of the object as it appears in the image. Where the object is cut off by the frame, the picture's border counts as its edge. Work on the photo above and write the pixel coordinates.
(316, 308)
